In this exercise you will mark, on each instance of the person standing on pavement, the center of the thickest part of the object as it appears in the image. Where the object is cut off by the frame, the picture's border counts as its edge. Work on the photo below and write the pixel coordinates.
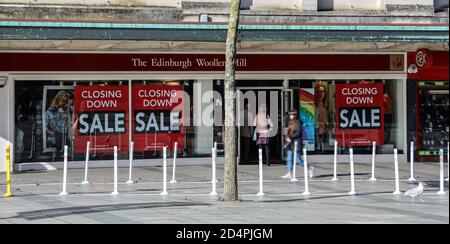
(263, 125)
(294, 134)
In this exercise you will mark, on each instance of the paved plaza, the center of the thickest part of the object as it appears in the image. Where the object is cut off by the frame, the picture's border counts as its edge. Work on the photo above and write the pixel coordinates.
(37, 201)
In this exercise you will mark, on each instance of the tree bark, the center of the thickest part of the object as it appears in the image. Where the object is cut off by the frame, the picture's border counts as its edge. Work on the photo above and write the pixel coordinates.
(230, 176)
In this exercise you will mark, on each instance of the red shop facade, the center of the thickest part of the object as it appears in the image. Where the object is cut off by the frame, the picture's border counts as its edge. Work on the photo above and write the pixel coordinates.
(428, 102)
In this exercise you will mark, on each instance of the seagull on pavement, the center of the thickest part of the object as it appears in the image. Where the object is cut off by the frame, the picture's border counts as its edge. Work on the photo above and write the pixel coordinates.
(418, 191)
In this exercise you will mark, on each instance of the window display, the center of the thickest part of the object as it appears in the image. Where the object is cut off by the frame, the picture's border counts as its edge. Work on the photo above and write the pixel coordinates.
(51, 114)
(101, 117)
(373, 113)
(433, 117)
(307, 116)
(57, 117)
(321, 103)
(44, 118)
(157, 116)
(360, 114)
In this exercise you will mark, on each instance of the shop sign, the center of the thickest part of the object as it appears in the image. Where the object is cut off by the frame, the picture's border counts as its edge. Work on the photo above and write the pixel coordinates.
(424, 58)
(397, 62)
(163, 62)
(157, 117)
(359, 114)
(433, 84)
(101, 117)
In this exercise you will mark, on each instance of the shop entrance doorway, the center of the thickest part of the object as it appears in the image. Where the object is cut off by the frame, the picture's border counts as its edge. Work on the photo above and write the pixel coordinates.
(278, 102)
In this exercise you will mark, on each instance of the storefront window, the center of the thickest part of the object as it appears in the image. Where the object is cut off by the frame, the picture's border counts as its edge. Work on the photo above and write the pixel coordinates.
(52, 114)
(157, 113)
(101, 117)
(205, 117)
(157, 117)
(433, 117)
(354, 112)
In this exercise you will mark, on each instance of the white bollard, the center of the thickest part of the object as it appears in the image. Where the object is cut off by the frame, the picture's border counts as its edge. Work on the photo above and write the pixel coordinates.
(411, 165)
(441, 172)
(374, 153)
(164, 192)
(397, 178)
(261, 179)
(335, 178)
(130, 159)
(64, 191)
(86, 166)
(448, 162)
(294, 176)
(352, 174)
(213, 180)
(175, 150)
(215, 149)
(116, 188)
(305, 172)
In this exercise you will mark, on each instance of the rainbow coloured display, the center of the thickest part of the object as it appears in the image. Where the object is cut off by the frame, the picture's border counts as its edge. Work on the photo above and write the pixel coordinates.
(307, 116)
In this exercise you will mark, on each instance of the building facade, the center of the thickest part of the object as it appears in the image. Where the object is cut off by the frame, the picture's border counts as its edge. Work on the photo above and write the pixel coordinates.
(151, 72)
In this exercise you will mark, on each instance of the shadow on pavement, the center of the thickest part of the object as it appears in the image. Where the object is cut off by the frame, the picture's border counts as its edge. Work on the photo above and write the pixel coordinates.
(339, 175)
(59, 212)
(325, 197)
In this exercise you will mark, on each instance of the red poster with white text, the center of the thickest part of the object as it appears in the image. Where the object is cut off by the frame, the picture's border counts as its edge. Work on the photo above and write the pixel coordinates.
(157, 117)
(101, 117)
(359, 114)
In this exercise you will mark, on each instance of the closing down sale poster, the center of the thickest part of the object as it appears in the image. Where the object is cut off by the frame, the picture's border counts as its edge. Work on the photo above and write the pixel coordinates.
(101, 117)
(157, 117)
(359, 114)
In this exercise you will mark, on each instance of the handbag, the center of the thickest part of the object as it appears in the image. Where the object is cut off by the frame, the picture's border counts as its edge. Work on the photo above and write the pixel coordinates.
(255, 137)
(269, 127)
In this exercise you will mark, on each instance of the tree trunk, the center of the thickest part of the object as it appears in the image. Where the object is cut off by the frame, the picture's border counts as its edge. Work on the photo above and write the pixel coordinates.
(230, 176)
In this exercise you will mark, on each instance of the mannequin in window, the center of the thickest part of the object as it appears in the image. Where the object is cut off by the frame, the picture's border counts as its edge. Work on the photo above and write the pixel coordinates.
(321, 103)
